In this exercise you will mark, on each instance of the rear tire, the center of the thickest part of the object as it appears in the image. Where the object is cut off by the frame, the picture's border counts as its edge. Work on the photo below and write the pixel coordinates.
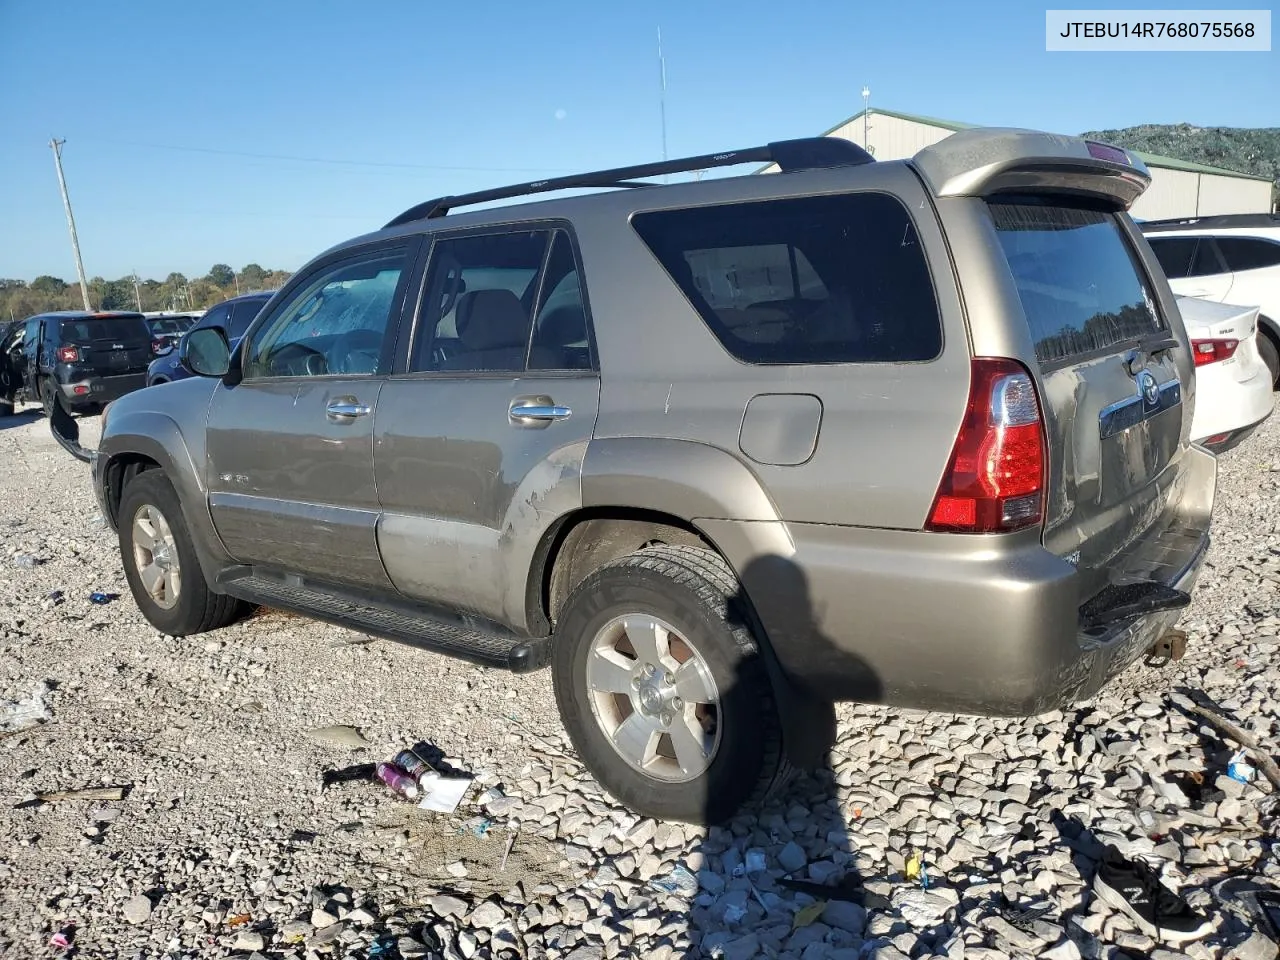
(161, 564)
(48, 397)
(695, 758)
(1270, 356)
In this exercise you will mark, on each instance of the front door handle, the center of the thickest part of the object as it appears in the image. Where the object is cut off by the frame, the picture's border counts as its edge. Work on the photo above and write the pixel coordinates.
(536, 411)
(346, 409)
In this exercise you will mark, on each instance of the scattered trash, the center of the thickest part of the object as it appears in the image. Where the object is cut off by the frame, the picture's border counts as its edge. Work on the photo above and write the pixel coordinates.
(397, 780)
(19, 715)
(24, 561)
(440, 793)
(1024, 918)
(679, 880)
(340, 735)
(1240, 769)
(477, 826)
(359, 771)
(848, 889)
(88, 793)
(1246, 740)
(382, 948)
(61, 940)
(56, 597)
(411, 763)
(912, 869)
(511, 842)
(238, 920)
(808, 914)
(101, 598)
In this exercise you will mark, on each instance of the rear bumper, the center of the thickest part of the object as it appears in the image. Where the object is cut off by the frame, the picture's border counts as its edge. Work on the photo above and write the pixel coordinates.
(101, 389)
(1226, 407)
(964, 624)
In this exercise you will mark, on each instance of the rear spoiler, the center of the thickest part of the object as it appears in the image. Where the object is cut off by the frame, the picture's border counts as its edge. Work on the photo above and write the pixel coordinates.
(993, 160)
(67, 432)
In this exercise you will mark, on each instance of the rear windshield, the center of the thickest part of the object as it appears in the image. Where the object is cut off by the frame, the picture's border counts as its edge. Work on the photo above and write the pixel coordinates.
(121, 329)
(1079, 283)
(832, 279)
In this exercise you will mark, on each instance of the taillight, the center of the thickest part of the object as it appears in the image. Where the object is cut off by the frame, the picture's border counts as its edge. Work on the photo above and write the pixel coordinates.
(68, 354)
(1211, 351)
(995, 478)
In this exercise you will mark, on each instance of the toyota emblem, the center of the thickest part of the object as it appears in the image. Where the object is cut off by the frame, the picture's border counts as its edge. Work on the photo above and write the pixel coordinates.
(1148, 388)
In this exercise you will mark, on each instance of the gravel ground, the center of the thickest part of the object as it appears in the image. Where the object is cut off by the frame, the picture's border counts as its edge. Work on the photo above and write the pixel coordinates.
(226, 844)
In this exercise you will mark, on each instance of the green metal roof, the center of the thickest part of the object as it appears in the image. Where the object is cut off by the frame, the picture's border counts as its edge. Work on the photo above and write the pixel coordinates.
(1150, 159)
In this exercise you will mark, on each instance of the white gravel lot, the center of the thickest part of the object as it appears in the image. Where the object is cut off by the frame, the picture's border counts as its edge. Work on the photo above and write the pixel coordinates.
(226, 845)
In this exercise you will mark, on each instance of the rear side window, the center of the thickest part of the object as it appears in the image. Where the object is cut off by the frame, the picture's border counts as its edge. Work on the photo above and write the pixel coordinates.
(1078, 280)
(242, 314)
(832, 279)
(125, 329)
(1244, 253)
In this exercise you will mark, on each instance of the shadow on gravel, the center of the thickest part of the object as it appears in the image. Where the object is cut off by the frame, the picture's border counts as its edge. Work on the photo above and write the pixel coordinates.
(783, 875)
(19, 419)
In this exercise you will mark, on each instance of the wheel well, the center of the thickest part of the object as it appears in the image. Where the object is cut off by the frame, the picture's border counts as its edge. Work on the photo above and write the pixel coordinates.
(119, 472)
(583, 542)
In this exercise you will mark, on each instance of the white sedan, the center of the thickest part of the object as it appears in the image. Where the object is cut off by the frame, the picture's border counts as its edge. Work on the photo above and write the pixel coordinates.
(1233, 384)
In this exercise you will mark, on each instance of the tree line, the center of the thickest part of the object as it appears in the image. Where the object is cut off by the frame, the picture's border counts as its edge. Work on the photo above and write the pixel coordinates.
(19, 299)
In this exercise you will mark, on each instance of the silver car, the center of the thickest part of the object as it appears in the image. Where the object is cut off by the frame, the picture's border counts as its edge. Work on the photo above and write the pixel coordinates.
(720, 453)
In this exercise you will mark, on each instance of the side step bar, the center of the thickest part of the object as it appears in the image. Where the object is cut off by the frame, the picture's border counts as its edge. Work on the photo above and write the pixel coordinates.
(392, 621)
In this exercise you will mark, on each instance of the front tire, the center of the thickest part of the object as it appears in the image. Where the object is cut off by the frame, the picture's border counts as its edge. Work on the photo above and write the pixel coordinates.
(161, 564)
(662, 688)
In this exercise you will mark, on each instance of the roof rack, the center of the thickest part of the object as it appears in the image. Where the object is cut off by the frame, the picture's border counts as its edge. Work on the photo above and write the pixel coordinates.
(804, 154)
(1214, 220)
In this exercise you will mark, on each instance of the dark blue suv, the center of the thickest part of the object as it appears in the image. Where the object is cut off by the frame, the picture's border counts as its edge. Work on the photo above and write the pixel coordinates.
(233, 316)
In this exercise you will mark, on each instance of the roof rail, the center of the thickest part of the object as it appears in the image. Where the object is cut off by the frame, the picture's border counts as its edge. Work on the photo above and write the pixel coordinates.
(1214, 220)
(804, 154)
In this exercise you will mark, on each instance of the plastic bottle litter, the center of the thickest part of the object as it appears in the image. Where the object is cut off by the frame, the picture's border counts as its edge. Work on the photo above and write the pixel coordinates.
(100, 598)
(25, 561)
(397, 780)
(679, 880)
(411, 763)
(18, 715)
(1240, 769)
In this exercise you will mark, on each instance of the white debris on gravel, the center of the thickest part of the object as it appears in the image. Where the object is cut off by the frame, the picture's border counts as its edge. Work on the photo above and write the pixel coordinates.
(227, 845)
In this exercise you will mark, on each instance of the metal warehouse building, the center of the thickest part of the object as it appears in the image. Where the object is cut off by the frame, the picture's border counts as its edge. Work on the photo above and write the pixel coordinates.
(1178, 188)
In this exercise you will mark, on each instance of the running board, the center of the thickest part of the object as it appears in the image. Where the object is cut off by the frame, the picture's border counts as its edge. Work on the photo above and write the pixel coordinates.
(391, 621)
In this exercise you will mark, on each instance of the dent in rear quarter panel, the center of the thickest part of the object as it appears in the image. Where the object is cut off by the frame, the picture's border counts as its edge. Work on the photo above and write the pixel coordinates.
(887, 429)
(166, 423)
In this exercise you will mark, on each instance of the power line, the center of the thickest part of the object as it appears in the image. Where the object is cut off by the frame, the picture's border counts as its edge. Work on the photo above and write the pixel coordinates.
(330, 160)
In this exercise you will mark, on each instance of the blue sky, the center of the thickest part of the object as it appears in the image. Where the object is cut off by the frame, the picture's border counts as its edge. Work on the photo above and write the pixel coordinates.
(406, 99)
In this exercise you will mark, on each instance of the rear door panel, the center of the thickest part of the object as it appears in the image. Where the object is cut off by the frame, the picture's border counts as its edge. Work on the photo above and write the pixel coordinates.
(1113, 402)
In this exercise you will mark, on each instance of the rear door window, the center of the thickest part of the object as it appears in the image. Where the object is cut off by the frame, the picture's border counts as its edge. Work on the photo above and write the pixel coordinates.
(1079, 282)
(1246, 253)
(832, 279)
(1175, 254)
(242, 314)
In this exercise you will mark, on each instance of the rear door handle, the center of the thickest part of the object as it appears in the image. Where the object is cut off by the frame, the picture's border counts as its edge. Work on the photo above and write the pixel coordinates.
(346, 409)
(536, 411)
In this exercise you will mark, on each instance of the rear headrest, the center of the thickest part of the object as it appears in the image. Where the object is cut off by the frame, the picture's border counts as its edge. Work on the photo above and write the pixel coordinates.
(491, 319)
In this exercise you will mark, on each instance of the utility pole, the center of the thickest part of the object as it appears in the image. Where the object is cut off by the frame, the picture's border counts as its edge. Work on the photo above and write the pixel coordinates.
(56, 146)
(137, 294)
(662, 99)
(866, 117)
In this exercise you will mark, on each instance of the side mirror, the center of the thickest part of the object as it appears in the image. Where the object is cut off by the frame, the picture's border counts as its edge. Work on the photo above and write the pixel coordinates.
(205, 352)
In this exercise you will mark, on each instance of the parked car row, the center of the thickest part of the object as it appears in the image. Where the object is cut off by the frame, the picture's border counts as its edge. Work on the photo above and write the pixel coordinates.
(719, 453)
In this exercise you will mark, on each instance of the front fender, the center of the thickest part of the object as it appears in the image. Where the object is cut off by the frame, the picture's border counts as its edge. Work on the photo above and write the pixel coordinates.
(156, 436)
